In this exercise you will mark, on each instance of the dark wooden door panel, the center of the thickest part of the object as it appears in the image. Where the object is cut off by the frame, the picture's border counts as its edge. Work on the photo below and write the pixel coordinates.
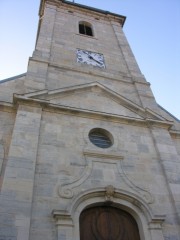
(107, 223)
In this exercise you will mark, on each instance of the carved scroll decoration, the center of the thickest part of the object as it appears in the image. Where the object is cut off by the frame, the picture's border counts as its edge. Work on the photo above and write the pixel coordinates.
(67, 190)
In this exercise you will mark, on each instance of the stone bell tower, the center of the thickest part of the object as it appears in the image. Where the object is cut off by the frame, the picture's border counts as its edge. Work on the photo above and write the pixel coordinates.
(85, 150)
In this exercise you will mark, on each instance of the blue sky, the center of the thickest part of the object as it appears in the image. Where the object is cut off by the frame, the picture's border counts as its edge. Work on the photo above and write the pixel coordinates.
(152, 29)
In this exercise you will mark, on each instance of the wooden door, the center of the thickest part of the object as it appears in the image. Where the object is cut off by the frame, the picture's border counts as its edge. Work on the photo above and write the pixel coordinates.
(107, 223)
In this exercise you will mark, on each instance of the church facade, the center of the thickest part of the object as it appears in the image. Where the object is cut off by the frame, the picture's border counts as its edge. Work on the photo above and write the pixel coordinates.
(85, 150)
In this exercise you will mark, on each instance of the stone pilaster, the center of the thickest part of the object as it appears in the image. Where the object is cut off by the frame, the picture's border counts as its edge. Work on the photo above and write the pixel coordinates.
(128, 55)
(170, 163)
(64, 225)
(17, 188)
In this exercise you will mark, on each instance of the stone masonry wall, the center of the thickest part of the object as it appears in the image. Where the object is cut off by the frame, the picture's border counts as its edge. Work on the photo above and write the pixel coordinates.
(63, 139)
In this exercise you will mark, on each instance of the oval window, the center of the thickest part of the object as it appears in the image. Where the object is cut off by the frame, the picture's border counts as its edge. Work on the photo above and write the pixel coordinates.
(101, 138)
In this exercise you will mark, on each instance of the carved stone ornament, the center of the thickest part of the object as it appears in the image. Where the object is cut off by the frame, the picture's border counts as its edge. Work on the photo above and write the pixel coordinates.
(109, 193)
(112, 162)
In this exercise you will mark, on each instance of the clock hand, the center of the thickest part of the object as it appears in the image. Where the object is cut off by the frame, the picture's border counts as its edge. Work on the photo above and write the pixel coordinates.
(90, 57)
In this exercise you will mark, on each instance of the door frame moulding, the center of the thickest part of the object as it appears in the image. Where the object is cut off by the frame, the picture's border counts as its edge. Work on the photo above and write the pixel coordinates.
(149, 224)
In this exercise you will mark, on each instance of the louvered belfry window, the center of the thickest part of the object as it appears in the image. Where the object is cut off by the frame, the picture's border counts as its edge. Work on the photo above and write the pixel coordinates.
(85, 28)
(100, 138)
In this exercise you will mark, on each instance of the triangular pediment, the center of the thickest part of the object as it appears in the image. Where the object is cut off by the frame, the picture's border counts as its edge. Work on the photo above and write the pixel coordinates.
(93, 97)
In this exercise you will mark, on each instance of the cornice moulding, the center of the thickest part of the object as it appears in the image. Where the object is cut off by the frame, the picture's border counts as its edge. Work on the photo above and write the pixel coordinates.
(79, 7)
(102, 155)
(7, 107)
(175, 133)
(128, 79)
(47, 106)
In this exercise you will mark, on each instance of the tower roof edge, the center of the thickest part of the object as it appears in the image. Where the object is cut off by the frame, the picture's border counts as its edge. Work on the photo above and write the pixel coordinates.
(123, 18)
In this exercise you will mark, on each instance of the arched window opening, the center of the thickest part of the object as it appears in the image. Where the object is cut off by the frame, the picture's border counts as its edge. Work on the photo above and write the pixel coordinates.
(105, 222)
(85, 28)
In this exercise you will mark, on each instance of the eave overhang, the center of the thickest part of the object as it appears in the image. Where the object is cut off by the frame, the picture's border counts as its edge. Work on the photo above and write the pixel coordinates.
(121, 18)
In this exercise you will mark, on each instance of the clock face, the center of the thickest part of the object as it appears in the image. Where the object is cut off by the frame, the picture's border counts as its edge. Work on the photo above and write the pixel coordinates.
(90, 58)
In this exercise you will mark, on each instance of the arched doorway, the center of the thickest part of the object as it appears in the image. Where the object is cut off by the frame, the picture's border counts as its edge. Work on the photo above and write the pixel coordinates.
(107, 223)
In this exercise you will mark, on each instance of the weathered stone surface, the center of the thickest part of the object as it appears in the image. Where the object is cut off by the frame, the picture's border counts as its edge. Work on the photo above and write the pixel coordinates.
(50, 170)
